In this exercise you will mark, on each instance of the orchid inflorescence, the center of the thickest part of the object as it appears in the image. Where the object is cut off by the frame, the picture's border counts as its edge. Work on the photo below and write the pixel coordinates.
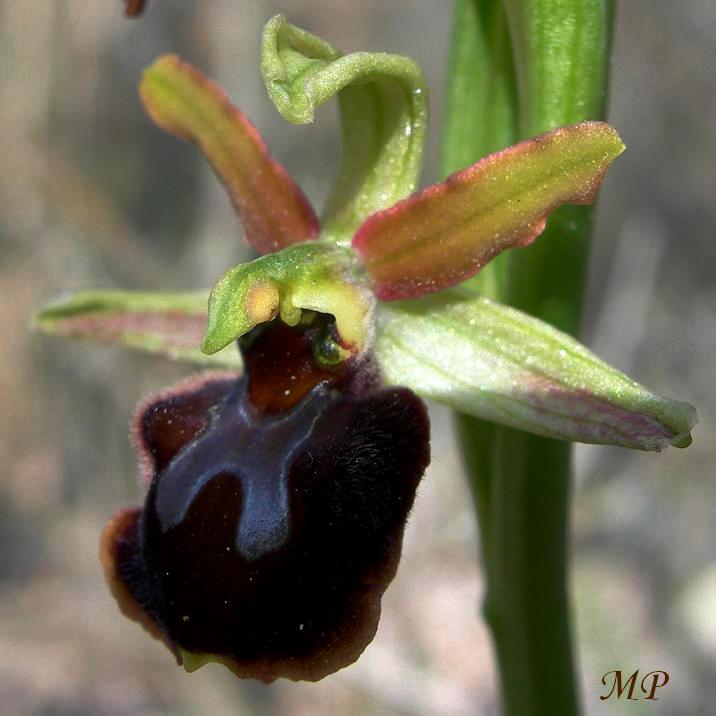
(277, 493)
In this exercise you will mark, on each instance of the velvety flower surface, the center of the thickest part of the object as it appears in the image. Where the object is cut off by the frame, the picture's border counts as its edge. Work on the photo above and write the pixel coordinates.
(275, 510)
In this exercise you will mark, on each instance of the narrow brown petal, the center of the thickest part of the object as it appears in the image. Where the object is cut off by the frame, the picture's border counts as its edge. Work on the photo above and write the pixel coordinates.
(273, 209)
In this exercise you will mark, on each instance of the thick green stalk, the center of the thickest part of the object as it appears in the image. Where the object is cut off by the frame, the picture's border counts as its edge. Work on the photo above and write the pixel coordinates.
(520, 482)
(521, 489)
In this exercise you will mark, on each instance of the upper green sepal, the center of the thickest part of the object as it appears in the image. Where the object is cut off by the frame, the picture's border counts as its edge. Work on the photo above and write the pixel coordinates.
(167, 324)
(312, 276)
(383, 103)
(291, 58)
(499, 364)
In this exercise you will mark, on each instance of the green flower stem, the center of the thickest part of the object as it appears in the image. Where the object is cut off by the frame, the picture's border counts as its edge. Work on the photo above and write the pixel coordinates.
(521, 482)
(521, 490)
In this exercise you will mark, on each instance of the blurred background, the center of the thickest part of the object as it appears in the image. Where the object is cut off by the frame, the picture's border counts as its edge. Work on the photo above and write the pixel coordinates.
(92, 195)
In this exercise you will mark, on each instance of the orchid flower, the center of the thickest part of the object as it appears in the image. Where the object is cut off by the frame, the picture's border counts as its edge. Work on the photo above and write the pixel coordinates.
(277, 494)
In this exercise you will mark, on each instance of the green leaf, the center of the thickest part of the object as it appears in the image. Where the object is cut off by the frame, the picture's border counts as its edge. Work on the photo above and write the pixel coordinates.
(273, 209)
(383, 107)
(446, 233)
(166, 324)
(312, 276)
(500, 364)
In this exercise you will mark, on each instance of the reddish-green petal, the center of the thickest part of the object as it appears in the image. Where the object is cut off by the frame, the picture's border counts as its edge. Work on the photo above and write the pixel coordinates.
(273, 209)
(449, 231)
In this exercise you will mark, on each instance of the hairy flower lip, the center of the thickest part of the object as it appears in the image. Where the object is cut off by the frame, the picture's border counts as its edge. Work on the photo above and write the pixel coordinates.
(189, 384)
(119, 537)
(252, 499)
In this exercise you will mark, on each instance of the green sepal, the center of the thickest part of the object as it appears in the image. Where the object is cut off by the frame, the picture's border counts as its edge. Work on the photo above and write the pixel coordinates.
(383, 103)
(499, 364)
(166, 324)
(311, 276)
